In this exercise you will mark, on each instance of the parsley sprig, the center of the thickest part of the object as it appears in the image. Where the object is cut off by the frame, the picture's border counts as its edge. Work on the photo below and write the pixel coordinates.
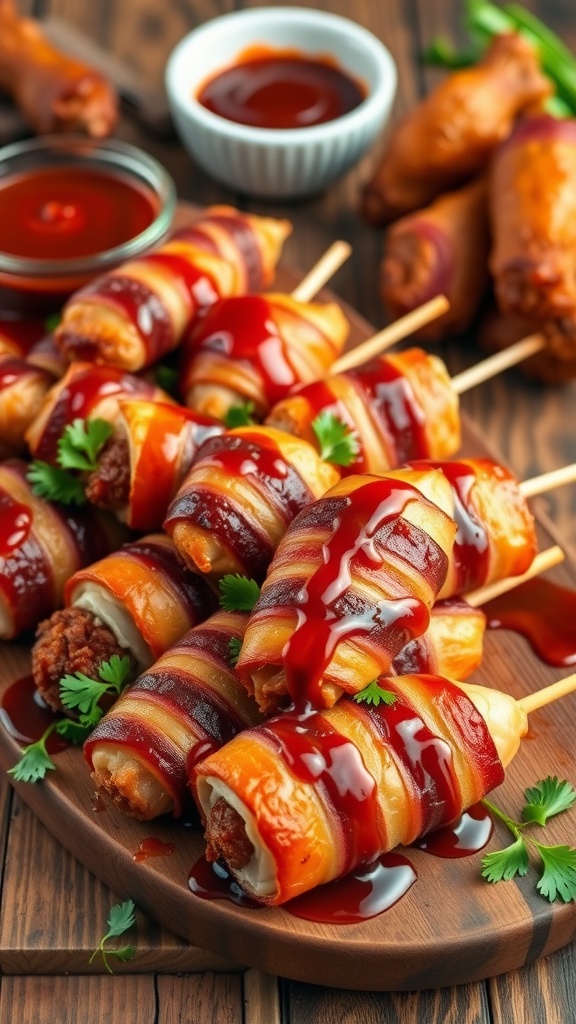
(549, 797)
(338, 444)
(375, 694)
(237, 594)
(241, 415)
(78, 451)
(120, 919)
(83, 695)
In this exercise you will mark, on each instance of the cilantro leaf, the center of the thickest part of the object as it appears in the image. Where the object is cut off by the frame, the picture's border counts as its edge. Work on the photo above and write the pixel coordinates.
(375, 694)
(166, 377)
(81, 443)
(82, 694)
(120, 919)
(338, 444)
(559, 875)
(502, 865)
(51, 322)
(234, 645)
(238, 593)
(549, 797)
(35, 760)
(239, 415)
(55, 484)
(74, 732)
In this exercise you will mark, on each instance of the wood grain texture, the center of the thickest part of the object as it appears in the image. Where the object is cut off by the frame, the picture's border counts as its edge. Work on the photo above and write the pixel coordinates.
(542, 992)
(311, 1004)
(451, 928)
(201, 999)
(79, 1000)
(81, 905)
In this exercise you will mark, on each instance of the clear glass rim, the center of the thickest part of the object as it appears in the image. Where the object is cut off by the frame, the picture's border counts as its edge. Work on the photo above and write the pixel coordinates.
(108, 153)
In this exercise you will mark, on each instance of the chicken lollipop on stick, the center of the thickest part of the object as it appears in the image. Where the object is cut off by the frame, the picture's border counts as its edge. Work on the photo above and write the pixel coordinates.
(396, 407)
(192, 700)
(138, 312)
(353, 580)
(274, 806)
(253, 348)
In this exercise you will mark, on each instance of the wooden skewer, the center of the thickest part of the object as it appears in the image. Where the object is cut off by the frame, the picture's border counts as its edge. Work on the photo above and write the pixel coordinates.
(543, 561)
(322, 271)
(498, 363)
(561, 688)
(549, 481)
(394, 332)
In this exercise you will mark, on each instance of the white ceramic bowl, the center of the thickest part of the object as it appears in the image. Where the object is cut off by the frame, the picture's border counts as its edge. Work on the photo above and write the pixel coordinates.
(279, 163)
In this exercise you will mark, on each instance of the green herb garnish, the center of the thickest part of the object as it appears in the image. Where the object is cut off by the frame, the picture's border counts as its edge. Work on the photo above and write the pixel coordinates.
(81, 443)
(234, 647)
(35, 760)
(239, 416)
(120, 919)
(557, 864)
(238, 593)
(166, 377)
(375, 694)
(55, 484)
(338, 444)
(81, 694)
(78, 449)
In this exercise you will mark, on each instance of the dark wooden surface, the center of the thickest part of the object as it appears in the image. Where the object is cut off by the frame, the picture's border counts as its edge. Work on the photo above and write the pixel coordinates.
(53, 912)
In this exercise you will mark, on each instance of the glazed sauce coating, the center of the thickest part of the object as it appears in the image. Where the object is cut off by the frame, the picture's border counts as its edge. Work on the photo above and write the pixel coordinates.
(269, 88)
(326, 610)
(544, 613)
(62, 213)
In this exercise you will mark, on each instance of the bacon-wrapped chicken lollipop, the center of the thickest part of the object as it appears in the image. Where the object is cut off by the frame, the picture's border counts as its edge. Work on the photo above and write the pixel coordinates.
(273, 801)
(137, 313)
(41, 546)
(138, 601)
(84, 392)
(144, 462)
(352, 582)
(254, 348)
(188, 704)
(398, 407)
(244, 488)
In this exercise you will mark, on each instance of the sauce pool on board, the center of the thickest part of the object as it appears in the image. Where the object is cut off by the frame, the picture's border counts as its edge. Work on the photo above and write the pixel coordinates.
(69, 212)
(268, 88)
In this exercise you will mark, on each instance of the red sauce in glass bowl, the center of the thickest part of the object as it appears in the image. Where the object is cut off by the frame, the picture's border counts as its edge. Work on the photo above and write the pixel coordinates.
(268, 88)
(61, 213)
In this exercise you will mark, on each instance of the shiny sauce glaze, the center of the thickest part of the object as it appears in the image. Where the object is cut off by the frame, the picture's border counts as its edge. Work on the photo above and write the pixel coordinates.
(359, 896)
(151, 846)
(328, 608)
(26, 717)
(63, 213)
(272, 88)
(544, 613)
(242, 328)
(467, 836)
(396, 411)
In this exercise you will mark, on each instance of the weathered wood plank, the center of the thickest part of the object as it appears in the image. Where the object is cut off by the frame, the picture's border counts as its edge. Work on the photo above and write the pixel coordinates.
(313, 1005)
(56, 927)
(205, 999)
(543, 992)
(78, 1000)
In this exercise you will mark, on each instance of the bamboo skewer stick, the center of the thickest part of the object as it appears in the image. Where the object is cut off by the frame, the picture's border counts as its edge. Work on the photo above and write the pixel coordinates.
(549, 481)
(561, 688)
(394, 332)
(543, 561)
(322, 271)
(498, 363)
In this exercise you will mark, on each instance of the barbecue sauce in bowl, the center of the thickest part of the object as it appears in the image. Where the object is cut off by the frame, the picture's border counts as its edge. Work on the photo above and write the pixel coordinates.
(269, 88)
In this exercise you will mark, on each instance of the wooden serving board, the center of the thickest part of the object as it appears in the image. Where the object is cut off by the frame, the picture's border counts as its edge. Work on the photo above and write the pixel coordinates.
(451, 928)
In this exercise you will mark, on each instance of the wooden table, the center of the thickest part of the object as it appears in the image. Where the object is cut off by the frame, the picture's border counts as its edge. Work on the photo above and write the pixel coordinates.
(53, 910)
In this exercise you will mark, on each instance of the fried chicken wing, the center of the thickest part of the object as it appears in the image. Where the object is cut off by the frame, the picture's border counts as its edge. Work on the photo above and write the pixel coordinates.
(450, 136)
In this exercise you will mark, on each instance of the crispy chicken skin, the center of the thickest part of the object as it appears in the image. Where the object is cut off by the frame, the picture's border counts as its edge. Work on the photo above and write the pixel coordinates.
(440, 250)
(450, 135)
(55, 93)
(532, 199)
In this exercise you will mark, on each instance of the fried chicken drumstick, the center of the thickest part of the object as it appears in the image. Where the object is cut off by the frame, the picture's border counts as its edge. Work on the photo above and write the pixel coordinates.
(55, 92)
(450, 135)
